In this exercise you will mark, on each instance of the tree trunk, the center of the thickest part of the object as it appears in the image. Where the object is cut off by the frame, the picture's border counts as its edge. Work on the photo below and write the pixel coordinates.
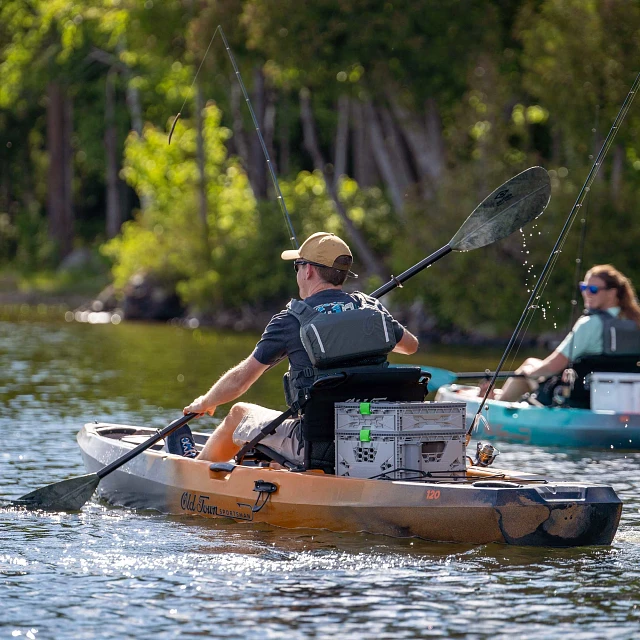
(556, 146)
(342, 139)
(425, 142)
(364, 168)
(396, 150)
(239, 139)
(114, 215)
(4, 186)
(383, 161)
(269, 128)
(284, 135)
(371, 263)
(135, 112)
(258, 169)
(617, 164)
(59, 196)
(202, 175)
(435, 151)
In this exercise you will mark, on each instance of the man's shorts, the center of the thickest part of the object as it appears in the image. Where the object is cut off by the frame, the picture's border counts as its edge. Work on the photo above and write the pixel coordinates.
(285, 441)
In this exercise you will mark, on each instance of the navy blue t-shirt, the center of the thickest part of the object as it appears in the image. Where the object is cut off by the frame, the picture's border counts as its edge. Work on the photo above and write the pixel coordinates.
(281, 337)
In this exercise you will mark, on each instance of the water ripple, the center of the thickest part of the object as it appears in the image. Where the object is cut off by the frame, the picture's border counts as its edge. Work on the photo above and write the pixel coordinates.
(117, 573)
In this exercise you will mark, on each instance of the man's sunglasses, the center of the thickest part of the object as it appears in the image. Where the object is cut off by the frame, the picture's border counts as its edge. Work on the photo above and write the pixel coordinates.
(591, 288)
(299, 263)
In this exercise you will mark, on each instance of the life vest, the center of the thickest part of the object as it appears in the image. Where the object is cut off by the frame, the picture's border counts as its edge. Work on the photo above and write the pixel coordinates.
(363, 335)
(619, 336)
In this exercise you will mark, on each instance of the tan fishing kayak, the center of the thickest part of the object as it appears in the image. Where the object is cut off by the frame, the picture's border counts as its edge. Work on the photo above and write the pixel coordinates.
(488, 505)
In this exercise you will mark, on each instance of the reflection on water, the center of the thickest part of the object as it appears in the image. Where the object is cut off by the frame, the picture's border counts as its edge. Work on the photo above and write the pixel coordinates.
(115, 573)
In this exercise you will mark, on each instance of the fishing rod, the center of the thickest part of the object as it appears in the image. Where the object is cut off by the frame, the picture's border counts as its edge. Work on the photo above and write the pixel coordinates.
(586, 187)
(582, 242)
(274, 178)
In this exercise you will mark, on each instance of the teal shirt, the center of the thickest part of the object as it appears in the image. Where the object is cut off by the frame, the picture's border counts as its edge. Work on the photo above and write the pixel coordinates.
(585, 339)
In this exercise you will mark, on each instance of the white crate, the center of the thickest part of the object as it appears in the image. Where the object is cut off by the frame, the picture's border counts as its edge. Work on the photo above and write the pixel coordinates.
(421, 436)
(618, 392)
(443, 417)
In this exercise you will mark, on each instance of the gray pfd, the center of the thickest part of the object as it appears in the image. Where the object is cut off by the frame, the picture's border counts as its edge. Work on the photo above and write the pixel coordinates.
(619, 336)
(354, 337)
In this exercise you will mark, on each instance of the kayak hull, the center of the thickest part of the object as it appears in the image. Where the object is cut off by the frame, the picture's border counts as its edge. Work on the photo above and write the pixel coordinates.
(492, 506)
(524, 423)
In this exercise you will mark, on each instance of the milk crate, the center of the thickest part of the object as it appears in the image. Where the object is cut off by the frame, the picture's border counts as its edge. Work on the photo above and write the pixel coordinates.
(619, 392)
(400, 439)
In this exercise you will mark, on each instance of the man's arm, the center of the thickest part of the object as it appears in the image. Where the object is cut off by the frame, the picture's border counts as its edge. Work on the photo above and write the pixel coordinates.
(230, 385)
(408, 343)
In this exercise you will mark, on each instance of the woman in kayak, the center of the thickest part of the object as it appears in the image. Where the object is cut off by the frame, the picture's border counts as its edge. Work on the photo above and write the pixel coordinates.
(609, 299)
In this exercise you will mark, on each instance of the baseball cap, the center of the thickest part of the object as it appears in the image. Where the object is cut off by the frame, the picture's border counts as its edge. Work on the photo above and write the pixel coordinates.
(321, 248)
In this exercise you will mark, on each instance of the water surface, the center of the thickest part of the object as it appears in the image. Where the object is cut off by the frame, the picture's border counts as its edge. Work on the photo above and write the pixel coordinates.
(115, 573)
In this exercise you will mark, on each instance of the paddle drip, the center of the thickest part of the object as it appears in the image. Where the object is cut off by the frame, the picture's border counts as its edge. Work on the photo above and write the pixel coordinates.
(511, 206)
(555, 252)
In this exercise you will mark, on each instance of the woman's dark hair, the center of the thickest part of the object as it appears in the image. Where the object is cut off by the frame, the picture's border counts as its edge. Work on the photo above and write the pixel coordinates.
(333, 276)
(614, 279)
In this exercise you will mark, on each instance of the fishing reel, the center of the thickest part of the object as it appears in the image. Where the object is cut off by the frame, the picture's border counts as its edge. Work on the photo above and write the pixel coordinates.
(485, 454)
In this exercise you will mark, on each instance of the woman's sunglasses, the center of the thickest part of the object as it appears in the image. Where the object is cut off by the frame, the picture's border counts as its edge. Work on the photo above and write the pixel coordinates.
(591, 288)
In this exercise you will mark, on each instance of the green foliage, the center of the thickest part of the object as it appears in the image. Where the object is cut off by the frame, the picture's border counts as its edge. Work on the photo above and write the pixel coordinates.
(516, 83)
(169, 238)
(579, 59)
(235, 259)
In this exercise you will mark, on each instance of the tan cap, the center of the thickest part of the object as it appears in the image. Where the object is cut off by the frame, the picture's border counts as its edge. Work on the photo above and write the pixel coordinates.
(321, 248)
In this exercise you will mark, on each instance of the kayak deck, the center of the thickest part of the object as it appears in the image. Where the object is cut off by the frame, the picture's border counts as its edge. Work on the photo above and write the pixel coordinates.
(486, 506)
(525, 423)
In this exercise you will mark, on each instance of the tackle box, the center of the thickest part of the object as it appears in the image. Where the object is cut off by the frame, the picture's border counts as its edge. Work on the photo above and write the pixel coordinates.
(400, 439)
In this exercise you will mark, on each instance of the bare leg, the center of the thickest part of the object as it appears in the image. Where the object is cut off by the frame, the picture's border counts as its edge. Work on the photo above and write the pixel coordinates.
(482, 389)
(515, 388)
(220, 446)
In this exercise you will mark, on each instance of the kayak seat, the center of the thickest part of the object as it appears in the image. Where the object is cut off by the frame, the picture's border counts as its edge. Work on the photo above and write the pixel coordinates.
(580, 395)
(359, 384)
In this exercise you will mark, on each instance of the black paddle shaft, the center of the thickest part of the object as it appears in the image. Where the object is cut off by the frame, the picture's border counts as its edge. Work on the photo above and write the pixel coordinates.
(116, 464)
(409, 273)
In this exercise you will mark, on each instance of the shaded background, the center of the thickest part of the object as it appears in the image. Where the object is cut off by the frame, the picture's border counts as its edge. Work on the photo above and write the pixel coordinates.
(386, 122)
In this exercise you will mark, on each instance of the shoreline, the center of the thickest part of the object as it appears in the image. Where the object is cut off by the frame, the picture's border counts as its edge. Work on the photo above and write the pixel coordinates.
(23, 305)
(35, 298)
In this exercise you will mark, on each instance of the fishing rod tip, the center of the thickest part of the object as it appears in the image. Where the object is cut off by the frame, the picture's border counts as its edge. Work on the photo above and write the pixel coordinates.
(173, 126)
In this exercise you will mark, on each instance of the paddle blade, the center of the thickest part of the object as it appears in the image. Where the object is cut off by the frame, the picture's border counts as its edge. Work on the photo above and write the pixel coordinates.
(509, 207)
(67, 495)
(439, 377)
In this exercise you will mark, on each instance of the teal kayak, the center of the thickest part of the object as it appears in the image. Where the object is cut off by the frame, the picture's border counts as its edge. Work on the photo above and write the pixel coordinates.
(525, 423)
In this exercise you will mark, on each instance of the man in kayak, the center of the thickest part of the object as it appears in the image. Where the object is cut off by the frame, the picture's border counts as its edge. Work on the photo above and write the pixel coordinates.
(322, 264)
(609, 300)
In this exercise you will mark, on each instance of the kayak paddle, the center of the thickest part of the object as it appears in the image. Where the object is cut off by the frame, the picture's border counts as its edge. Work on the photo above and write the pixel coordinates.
(441, 377)
(511, 206)
(71, 494)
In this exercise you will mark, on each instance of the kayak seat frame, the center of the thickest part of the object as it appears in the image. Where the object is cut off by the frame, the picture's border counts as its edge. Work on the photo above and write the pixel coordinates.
(317, 410)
